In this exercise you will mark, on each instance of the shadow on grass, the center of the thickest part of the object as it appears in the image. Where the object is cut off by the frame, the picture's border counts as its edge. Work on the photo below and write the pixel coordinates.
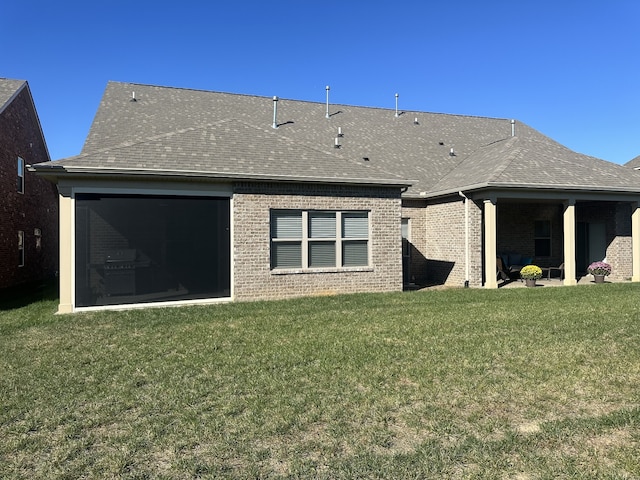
(23, 295)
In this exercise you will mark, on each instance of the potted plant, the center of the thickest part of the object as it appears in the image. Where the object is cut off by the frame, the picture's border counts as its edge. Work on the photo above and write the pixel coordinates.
(531, 273)
(599, 270)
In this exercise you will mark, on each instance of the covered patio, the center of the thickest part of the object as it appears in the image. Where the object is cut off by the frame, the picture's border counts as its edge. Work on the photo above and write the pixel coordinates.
(572, 231)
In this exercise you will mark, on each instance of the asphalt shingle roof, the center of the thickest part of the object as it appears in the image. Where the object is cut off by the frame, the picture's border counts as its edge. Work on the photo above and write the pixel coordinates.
(633, 163)
(8, 88)
(230, 149)
(230, 135)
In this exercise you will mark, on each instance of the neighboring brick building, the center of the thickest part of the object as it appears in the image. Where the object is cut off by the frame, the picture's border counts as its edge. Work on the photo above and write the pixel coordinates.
(193, 196)
(28, 203)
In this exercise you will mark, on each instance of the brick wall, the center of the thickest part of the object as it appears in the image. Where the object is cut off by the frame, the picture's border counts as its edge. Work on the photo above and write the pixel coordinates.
(252, 276)
(438, 241)
(37, 208)
(620, 248)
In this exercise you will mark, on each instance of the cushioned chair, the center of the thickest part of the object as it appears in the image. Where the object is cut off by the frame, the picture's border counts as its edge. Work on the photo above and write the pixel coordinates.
(507, 272)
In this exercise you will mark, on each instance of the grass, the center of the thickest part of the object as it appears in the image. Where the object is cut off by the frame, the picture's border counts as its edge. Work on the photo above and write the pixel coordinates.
(466, 383)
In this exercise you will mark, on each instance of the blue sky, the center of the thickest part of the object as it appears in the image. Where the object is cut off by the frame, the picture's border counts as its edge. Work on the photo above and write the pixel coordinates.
(568, 68)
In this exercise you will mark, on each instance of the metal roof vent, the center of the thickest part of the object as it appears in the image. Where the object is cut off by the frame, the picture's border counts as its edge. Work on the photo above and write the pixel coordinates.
(327, 88)
(340, 134)
(397, 115)
(513, 128)
(133, 97)
(336, 143)
(452, 153)
(275, 112)
(415, 121)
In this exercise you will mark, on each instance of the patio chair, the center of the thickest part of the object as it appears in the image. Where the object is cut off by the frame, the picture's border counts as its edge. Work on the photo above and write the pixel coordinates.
(507, 272)
(501, 271)
(559, 269)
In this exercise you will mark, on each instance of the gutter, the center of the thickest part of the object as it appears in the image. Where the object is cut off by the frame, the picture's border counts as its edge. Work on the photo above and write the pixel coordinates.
(60, 171)
(534, 187)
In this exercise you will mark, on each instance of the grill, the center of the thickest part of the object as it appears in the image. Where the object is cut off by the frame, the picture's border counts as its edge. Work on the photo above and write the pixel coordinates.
(120, 272)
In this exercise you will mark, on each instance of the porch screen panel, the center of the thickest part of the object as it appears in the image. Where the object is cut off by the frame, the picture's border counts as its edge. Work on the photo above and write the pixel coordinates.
(144, 249)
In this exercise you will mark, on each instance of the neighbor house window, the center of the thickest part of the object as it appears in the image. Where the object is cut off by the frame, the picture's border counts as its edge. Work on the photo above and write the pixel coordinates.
(20, 175)
(319, 239)
(542, 238)
(20, 248)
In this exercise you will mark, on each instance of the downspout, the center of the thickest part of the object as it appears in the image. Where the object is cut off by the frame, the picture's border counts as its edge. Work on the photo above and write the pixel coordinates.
(466, 239)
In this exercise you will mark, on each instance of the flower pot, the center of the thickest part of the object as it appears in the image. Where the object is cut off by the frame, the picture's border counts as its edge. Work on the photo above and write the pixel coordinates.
(530, 282)
(598, 278)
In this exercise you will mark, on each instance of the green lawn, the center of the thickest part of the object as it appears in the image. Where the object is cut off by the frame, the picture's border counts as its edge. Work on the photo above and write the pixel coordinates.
(466, 383)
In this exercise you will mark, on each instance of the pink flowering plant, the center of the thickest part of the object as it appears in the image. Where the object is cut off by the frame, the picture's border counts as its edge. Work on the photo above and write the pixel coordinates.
(599, 268)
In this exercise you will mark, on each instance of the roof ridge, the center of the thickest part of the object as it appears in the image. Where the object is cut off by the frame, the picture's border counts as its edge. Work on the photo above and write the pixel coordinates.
(314, 102)
(455, 167)
(511, 156)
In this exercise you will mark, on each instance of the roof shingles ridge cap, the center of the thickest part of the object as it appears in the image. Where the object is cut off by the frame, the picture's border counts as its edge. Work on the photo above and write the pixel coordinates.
(314, 102)
(467, 157)
(510, 156)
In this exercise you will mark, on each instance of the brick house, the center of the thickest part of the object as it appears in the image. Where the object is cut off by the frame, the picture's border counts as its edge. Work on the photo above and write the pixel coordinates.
(28, 204)
(193, 196)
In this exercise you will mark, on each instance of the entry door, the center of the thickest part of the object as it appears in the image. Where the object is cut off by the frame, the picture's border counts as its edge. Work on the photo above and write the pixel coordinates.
(597, 242)
(591, 244)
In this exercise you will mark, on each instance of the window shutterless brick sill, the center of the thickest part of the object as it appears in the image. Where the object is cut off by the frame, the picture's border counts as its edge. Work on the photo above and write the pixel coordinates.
(294, 271)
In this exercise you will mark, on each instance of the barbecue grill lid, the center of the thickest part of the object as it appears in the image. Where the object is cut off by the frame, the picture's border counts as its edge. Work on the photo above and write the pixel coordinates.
(121, 256)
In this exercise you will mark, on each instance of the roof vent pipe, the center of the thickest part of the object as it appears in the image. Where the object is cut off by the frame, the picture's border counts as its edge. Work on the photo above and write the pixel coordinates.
(327, 88)
(397, 105)
(513, 128)
(133, 97)
(275, 112)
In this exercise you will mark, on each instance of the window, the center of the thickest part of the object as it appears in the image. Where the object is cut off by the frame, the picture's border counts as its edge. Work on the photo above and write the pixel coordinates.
(20, 175)
(20, 248)
(542, 238)
(319, 239)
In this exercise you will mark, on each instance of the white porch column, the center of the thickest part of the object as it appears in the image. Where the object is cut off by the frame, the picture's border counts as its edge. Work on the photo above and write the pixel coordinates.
(635, 241)
(569, 228)
(66, 252)
(490, 243)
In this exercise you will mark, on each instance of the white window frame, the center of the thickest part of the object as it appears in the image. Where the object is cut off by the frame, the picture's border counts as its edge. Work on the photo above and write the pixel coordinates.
(305, 240)
(20, 178)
